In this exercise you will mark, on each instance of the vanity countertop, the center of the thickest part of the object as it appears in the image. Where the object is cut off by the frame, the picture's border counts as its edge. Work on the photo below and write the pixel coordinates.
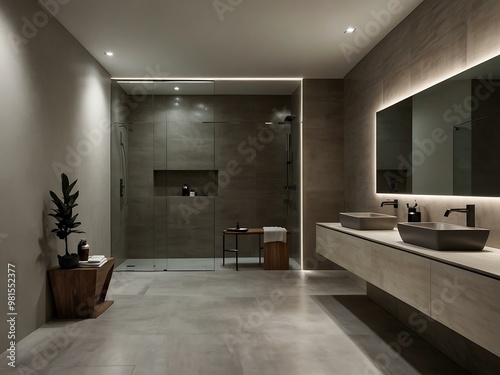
(486, 262)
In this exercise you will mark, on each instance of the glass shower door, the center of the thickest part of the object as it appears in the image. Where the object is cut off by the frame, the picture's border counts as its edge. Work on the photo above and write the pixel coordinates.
(134, 148)
(185, 179)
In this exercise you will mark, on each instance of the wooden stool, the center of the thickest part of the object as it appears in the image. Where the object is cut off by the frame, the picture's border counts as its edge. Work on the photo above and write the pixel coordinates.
(276, 255)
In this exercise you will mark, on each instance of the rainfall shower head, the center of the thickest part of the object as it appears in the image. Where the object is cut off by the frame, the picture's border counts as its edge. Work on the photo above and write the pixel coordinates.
(288, 120)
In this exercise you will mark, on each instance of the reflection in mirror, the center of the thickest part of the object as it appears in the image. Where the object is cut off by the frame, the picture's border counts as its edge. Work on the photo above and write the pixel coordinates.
(394, 138)
(442, 141)
(462, 158)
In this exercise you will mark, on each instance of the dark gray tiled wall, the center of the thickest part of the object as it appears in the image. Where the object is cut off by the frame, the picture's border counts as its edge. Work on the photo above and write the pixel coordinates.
(178, 137)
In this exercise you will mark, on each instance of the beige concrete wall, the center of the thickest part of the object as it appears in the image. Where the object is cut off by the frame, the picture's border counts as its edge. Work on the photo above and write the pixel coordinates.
(54, 114)
(436, 41)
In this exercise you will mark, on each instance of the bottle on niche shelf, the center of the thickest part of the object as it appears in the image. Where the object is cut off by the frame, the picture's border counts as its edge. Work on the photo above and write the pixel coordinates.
(185, 191)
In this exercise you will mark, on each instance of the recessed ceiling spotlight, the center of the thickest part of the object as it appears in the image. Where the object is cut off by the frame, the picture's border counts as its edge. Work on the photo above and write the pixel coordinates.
(176, 88)
(109, 53)
(349, 30)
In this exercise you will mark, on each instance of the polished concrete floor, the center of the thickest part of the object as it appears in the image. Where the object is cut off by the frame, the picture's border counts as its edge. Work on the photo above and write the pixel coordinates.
(226, 322)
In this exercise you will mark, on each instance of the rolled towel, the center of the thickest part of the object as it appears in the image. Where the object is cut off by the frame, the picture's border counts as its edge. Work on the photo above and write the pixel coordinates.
(274, 234)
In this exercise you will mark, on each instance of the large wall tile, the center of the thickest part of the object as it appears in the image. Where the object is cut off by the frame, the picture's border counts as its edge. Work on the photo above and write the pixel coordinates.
(272, 108)
(315, 147)
(483, 28)
(160, 146)
(189, 229)
(234, 209)
(445, 59)
(437, 23)
(239, 108)
(251, 162)
(141, 109)
(140, 229)
(234, 142)
(323, 161)
(396, 87)
(190, 146)
(443, 37)
(362, 97)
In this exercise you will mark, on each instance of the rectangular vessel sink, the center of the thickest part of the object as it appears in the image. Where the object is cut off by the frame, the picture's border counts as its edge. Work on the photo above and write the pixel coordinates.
(443, 236)
(367, 221)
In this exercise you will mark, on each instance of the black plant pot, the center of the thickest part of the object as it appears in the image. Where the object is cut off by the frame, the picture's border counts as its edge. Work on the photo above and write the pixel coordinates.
(68, 261)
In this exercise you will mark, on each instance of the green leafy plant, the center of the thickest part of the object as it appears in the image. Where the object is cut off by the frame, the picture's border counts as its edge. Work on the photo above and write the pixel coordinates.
(63, 213)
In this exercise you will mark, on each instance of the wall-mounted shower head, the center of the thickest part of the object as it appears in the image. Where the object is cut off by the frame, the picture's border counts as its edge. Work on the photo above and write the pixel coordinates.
(124, 125)
(463, 126)
(288, 120)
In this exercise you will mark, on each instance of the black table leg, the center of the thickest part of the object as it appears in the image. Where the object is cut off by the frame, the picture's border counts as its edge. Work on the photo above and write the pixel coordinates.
(223, 249)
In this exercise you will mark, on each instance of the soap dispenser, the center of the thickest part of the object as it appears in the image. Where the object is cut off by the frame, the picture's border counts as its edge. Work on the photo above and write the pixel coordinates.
(413, 213)
(185, 190)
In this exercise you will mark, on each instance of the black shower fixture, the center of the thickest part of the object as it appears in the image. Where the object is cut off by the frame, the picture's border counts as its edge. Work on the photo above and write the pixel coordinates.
(288, 120)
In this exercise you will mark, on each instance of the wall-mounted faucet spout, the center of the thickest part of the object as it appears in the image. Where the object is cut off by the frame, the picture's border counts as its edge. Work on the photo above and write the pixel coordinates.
(469, 209)
(390, 203)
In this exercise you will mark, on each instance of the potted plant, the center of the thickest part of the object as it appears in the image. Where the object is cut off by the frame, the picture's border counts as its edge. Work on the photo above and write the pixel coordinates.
(66, 222)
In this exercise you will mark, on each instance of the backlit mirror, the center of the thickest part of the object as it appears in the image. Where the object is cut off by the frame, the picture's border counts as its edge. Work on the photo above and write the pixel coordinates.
(444, 140)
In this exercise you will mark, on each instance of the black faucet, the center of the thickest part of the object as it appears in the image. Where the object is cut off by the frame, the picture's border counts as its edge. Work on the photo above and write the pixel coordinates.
(390, 203)
(469, 209)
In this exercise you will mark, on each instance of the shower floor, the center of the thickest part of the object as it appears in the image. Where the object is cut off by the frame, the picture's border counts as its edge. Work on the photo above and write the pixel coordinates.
(193, 264)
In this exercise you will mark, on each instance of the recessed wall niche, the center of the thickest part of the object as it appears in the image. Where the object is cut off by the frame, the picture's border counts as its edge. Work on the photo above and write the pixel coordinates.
(169, 183)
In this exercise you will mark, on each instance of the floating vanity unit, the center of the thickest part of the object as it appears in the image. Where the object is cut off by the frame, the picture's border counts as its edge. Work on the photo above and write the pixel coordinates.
(457, 288)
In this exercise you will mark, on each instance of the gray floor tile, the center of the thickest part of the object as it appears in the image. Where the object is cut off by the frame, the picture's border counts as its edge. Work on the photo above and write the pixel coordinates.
(91, 370)
(227, 322)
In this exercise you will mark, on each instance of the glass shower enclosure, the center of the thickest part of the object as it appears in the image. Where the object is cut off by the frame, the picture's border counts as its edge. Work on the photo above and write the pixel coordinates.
(163, 139)
(191, 158)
